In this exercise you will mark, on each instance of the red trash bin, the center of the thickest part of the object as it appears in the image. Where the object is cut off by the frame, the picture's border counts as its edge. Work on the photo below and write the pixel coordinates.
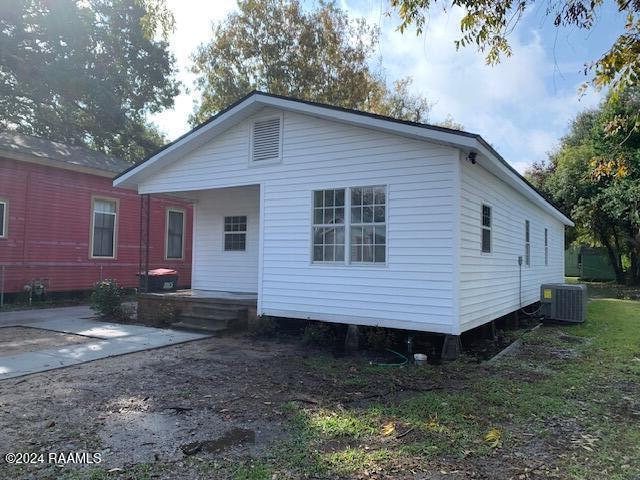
(160, 279)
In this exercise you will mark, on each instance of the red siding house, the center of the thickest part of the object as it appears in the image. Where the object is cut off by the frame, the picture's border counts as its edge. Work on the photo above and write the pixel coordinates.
(62, 222)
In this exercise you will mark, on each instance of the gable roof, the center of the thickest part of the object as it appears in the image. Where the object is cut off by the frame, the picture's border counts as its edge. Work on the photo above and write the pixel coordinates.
(32, 149)
(468, 142)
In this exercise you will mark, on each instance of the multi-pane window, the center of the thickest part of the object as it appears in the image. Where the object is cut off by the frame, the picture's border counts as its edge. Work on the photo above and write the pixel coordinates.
(328, 225)
(104, 228)
(235, 233)
(546, 247)
(175, 234)
(3, 219)
(368, 225)
(527, 243)
(486, 229)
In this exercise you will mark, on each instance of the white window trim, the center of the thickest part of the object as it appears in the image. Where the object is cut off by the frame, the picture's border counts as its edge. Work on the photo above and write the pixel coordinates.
(115, 227)
(225, 233)
(5, 218)
(490, 228)
(261, 118)
(546, 247)
(314, 225)
(347, 226)
(527, 244)
(166, 232)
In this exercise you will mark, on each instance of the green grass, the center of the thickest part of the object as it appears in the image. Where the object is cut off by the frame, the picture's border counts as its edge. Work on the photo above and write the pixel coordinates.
(528, 397)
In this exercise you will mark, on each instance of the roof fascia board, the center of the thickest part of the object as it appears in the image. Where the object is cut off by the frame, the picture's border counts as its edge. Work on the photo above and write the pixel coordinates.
(47, 162)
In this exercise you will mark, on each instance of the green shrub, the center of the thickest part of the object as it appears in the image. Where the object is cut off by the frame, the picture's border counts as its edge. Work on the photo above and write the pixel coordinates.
(379, 338)
(263, 326)
(319, 333)
(106, 298)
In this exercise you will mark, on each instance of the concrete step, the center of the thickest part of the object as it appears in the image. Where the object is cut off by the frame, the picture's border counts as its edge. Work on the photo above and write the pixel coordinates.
(213, 315)
(211, 327)
(216, 310)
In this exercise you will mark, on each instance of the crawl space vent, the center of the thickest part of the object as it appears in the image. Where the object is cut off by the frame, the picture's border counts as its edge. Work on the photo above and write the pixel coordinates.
(266, 140)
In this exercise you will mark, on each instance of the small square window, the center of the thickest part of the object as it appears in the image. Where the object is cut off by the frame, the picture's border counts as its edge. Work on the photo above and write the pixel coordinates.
(235, 233)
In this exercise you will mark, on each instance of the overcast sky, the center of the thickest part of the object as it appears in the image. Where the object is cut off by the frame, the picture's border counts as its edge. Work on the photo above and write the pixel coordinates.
(522, 106)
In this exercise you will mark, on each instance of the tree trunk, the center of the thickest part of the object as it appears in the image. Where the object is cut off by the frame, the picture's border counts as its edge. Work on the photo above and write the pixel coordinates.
(614, 258)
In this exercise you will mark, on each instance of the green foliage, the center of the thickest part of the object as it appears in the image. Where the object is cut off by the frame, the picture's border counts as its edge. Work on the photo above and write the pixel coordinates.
(319, 333)
(487, 24)
(279, 47)
(86, 72)
(106, 298)
(595, 176)
(263, 326)
(379, 338)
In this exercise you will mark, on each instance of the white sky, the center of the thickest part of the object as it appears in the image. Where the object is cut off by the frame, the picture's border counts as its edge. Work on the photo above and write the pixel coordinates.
(522, 106)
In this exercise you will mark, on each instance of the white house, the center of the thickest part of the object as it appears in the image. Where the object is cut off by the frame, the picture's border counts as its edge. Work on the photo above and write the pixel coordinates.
(343, 216)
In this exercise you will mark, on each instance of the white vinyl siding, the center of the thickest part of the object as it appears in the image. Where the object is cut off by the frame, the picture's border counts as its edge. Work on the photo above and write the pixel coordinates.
(489, 284)
(414, 289)
(215, 268)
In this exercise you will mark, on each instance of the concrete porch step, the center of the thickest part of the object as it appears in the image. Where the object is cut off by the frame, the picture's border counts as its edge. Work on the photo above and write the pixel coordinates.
(198, 326)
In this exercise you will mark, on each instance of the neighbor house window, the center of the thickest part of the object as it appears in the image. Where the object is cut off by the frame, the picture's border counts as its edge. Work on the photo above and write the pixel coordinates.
(527, 243)
(486, 229)
(3, 219)
(235, 233)
(175, 234)
(368, 225)
(103, 231)
(328, 225)
(546, 247)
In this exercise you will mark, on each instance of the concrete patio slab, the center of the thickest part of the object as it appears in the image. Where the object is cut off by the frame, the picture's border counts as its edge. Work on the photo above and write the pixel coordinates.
(111, 339)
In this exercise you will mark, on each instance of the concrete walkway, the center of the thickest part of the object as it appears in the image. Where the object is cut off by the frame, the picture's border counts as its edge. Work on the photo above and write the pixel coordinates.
(108, 339)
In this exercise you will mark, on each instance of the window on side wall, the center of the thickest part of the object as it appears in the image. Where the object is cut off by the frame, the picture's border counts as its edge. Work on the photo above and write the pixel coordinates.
(175, 234)
(546, 247)
(235, 233)
(368, 225)
(4, 218)
(527, 243)
(328, 225)
(103, 230)
(486, 229)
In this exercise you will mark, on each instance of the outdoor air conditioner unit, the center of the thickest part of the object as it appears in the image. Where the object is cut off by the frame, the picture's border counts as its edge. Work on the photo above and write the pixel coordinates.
(564, 302)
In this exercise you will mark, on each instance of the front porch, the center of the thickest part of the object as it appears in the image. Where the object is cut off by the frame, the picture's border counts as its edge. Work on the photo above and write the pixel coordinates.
(195, 309)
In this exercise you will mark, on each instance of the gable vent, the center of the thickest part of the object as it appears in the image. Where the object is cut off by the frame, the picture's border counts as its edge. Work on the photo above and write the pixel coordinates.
(266, 140)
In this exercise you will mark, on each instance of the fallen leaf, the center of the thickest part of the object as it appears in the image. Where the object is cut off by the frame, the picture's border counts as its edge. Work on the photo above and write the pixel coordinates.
(493, 437)
(388, 429)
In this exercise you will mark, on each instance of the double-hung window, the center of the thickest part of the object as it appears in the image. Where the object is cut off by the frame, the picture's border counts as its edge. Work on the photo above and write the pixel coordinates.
(3, 218)
(364, 209)
(368, 225)
(486, 229)
(175, 234)
(103, 232)
(527, 243)
(328, 225)
(235, 233)
(546, 247)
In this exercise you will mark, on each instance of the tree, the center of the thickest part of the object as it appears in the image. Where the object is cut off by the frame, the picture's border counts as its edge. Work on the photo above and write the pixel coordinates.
(319, 55)
(86, 72)
(488, 23)
(595, 175)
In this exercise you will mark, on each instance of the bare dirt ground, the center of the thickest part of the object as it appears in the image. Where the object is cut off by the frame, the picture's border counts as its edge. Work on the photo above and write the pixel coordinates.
(249, 409)
(15, 340)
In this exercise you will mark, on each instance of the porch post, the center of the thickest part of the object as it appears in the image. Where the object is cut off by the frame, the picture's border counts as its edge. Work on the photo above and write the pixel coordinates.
(145, 225)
